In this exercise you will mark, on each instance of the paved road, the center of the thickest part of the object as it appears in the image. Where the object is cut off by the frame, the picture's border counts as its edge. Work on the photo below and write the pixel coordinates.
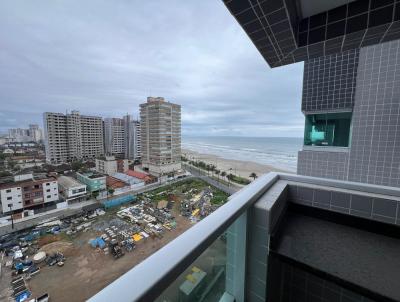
(38, 218)
(228, 189)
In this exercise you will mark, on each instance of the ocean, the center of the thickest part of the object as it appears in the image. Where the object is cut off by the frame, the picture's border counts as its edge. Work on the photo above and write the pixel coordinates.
(280, 152)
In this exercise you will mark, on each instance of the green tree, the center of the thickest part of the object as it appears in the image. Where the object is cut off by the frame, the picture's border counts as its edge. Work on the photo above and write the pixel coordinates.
(76, 165)
(223, 174)
(95, 194)
(111, 191)
(253, 175)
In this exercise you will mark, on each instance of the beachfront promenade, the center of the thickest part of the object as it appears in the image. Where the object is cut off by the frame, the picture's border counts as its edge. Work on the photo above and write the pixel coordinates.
(203, 175)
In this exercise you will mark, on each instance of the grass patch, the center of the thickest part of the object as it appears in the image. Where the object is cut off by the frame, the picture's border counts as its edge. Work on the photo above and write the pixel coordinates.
(182, 188)
(238, 179)
(219, 198)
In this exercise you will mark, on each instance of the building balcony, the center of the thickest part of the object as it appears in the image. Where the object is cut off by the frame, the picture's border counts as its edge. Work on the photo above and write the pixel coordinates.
(282, 238)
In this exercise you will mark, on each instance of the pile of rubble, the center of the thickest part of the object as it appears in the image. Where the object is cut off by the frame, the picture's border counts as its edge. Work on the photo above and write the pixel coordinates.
(199, 206)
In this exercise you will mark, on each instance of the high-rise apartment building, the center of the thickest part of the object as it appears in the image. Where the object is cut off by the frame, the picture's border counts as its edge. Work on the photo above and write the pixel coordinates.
(70, 137)
(122, 137)
(132, 138)
(36, 133)
(114, 136)
(160, 135)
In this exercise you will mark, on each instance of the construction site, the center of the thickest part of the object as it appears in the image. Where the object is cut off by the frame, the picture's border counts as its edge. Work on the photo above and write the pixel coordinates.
(71, 259)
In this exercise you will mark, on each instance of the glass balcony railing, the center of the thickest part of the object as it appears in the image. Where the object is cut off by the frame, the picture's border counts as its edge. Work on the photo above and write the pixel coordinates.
(205, 263)
(231, 254)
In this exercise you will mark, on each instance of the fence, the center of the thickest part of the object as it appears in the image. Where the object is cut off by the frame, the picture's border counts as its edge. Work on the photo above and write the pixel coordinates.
(119, 201)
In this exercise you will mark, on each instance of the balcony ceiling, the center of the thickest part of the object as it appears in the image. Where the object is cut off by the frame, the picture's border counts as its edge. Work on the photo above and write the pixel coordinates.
(289, 31)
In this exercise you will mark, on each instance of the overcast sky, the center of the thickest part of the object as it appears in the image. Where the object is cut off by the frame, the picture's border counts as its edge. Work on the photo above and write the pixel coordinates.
(105, 57)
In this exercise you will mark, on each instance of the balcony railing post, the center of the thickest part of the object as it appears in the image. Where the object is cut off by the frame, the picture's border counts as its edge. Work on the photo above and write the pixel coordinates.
(236, 258)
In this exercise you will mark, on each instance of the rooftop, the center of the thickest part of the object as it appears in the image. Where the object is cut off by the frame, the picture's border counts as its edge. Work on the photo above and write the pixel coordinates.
(91, 175)
(39, 178)
(126, 178)
(69, 182)
(115, 183)
(138, 175)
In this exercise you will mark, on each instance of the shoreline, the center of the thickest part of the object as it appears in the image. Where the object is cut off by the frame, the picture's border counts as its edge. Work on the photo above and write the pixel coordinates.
(238, 167)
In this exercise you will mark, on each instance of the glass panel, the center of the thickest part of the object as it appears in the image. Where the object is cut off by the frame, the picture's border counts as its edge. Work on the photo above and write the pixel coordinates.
(217, 271)
(328, 129)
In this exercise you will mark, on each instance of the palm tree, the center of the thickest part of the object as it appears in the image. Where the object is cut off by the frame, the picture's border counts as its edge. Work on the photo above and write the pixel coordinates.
(223, 174)
(253, 175)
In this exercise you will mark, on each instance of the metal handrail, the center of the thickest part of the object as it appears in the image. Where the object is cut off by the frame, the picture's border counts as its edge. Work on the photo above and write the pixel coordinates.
(147, 280)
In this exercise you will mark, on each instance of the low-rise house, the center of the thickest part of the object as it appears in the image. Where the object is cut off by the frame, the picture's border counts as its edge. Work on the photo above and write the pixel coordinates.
(109, 165)
(140, 175)
(94, 182)
(71, 189)
(117, 185)
(28, 192)
(134, 183)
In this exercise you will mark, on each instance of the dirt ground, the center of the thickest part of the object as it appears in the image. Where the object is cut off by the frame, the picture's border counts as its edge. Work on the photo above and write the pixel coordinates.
(87, 271)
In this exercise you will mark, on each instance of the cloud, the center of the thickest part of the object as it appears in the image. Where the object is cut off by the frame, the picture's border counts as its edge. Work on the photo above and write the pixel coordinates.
(104, 58)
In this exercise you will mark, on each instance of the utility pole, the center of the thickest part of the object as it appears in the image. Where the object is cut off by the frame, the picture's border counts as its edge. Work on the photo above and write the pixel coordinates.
(12, 218)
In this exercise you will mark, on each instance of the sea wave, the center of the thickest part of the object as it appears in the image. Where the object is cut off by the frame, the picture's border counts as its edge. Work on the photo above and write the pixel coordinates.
(275, 153)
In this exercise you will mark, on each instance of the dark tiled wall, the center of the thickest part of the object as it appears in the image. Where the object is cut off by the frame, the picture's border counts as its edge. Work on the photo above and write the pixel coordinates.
(300, 285)
(263, 218)
(375, 147)
(380, 209)
(329, 82)
(323, 164)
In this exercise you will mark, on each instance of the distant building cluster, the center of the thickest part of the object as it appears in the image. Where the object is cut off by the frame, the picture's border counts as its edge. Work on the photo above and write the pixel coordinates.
(21, 135)
(155, 139)
(113, 144)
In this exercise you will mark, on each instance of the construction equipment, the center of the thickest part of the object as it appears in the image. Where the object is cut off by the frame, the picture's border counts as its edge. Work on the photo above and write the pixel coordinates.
(115, 249)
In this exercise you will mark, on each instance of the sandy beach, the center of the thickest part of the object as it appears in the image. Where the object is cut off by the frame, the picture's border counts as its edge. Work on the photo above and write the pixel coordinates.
(239, 167)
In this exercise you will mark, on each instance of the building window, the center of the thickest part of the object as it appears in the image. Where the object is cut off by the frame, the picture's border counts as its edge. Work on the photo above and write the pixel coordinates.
(8, 191)
(328, 129)
(9, 198)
